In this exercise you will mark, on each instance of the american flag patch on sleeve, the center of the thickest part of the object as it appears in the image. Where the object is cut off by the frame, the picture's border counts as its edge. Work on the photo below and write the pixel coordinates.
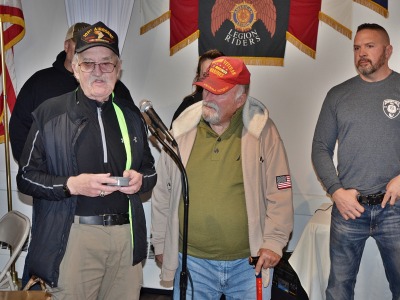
(283, 182)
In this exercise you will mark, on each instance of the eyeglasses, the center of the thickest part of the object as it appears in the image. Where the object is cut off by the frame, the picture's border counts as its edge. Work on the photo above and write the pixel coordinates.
(88, 66)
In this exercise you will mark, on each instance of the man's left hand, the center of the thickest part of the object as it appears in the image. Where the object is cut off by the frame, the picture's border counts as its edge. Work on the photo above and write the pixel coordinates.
(267, 259)
(392, 192)
(135, 182)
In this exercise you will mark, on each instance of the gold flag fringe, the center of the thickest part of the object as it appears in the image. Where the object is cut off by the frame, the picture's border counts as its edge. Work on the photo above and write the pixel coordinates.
(182, 44)
(335, 24)
(263, 61)
(374, 6)
(17, 21)
(152, 24)
(297, 43)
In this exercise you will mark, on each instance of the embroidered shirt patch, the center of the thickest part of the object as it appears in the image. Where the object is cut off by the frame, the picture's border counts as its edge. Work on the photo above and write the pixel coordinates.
(391, 108)
(283, 182)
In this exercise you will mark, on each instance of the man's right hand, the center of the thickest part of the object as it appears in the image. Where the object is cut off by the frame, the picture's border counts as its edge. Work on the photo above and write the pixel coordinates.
(159, 259)
(91, 185)
(347, 204)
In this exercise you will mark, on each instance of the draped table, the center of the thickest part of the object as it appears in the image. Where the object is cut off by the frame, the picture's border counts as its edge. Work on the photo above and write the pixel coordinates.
(310, 260)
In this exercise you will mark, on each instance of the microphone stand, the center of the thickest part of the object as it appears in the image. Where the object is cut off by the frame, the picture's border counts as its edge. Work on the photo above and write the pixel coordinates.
(185, 192)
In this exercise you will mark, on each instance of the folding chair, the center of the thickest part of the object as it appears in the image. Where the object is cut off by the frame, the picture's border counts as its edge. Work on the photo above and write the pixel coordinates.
(14, 230)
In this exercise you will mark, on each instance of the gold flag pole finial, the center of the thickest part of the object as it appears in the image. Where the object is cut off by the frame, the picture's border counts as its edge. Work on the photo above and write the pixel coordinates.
(14, 274)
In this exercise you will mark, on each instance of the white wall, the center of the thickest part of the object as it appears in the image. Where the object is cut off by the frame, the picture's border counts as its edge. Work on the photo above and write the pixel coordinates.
(293, 93)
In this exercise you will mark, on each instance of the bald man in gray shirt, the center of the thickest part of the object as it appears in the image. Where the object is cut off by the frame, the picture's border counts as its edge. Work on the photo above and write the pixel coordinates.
(361, 116)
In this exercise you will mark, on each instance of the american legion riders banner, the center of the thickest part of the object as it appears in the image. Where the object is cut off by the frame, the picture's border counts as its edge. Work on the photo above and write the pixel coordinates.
(254, 29)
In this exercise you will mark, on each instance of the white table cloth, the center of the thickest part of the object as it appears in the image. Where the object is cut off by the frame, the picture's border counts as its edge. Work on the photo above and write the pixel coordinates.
(310, 260)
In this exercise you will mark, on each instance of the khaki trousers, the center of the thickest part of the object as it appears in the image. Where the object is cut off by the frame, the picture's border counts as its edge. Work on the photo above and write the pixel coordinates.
(97, 265)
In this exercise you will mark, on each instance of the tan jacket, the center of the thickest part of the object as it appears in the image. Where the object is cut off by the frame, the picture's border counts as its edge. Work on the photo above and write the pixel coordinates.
(269, 210)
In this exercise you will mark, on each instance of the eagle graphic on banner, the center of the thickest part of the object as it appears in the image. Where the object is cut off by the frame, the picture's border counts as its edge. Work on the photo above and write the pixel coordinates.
(254, 30)
(243, 14)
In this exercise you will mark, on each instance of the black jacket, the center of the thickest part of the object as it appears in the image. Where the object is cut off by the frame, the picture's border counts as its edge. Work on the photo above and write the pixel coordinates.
(43, 85)
(49, 159)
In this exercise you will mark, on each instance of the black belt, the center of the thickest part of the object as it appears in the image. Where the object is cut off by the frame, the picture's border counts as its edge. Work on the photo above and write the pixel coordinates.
(372, 199)
(105, 220)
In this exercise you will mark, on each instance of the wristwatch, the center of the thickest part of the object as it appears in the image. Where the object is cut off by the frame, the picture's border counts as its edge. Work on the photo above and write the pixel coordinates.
(66, 190)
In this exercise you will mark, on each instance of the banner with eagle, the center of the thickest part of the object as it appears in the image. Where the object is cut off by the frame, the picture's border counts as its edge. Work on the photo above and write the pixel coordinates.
(256, 30)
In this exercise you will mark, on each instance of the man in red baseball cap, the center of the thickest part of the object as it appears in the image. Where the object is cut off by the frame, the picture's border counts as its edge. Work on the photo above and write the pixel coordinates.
(223, 74)
(240, 191)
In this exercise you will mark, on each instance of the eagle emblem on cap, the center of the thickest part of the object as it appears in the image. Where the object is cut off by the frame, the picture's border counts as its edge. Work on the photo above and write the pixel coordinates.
(243, 14)
(100, 35)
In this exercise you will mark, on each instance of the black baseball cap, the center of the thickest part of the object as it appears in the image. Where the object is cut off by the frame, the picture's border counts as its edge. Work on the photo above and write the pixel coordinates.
(97, 35)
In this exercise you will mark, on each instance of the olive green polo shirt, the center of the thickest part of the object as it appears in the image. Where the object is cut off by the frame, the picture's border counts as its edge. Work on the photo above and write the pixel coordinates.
(218, 227)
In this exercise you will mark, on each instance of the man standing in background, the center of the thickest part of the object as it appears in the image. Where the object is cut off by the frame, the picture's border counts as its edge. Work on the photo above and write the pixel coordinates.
(361, 115)
(202, 66)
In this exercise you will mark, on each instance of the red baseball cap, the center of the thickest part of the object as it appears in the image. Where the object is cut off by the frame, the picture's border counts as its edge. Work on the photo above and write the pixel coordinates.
(223, 74)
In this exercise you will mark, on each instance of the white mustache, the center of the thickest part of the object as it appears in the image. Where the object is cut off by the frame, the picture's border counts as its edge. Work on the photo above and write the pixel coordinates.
(211, 105)
(94, 78)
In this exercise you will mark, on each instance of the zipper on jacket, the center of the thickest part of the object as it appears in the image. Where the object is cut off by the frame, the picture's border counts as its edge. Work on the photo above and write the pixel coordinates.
(103, 136)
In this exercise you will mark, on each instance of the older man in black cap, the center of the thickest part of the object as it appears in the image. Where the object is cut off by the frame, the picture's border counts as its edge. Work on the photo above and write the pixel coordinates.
(45, 84)
(89, 232)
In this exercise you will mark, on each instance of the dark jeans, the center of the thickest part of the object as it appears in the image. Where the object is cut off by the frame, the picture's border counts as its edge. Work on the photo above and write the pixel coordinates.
(347, 241)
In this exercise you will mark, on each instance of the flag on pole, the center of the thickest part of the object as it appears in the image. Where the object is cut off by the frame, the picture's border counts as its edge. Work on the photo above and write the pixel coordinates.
(379, 6)
(303, 25)
(183, 23)
(338, 15)
(153, 13)
(13, 31)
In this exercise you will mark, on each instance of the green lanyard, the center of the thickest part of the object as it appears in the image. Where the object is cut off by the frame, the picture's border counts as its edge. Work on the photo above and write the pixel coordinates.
(127, 144)
(125, 135)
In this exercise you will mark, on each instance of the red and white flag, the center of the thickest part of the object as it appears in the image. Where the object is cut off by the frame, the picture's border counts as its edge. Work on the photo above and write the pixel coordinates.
(13, 31)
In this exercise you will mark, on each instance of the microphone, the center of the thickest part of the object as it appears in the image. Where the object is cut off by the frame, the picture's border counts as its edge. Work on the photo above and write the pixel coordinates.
(147, 107)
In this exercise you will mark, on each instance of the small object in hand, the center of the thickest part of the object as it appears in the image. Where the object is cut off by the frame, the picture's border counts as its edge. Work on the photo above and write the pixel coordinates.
(121, 181)
(253, 260)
